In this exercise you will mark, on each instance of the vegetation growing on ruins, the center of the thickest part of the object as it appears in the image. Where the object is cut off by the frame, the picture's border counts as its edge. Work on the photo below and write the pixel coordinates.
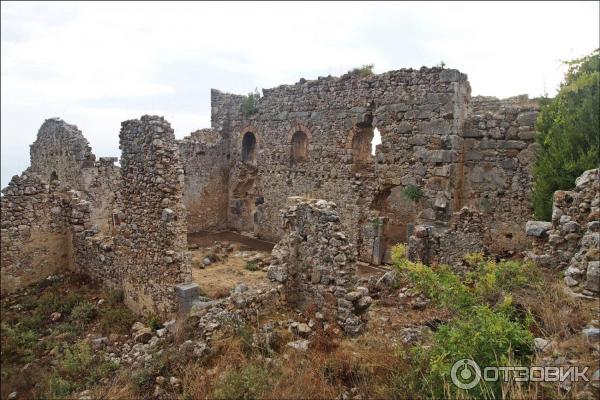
(363, 70)
(250, 103)
(413, 192)
(487, 326)
(569, 132)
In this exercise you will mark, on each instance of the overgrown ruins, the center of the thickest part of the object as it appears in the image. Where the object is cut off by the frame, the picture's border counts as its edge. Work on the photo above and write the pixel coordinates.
(466, 160)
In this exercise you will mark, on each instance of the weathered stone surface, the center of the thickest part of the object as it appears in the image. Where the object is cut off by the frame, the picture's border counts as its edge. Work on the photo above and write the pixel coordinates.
(537, 228)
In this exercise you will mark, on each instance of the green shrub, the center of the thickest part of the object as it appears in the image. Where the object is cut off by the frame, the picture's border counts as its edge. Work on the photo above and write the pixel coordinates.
(474, 259)
(250, 103)
(364, 70)
(75, 361)
(116, 320)
(413, 193)
(18, 343)
(154, 322)
(84, 312)
(441, 285)
(57, 387)
(248, 382)
(115, 296)
(489, 337)
(493, 278)
(568, 138)
(251, 266)
(398, 253)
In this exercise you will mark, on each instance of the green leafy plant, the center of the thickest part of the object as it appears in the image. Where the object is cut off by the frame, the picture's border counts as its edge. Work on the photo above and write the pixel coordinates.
(376, 222)
(250, 103)
(154, 321)
(84, 312)
(568, 127)
(248, 382)
(251, 266)
(398, 253)
(413, 193)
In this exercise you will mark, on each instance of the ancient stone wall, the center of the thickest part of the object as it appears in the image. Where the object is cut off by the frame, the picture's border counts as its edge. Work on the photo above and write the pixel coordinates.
(61, 152)
(571, 241)
(317, 265)
(150, 222)
(205, 160)
(328, 125)
(498, 152)
(34, 233)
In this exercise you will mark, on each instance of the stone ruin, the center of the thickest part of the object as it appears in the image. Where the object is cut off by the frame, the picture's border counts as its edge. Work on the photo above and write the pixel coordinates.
(317, 265)
(467, 160)
(571, 242)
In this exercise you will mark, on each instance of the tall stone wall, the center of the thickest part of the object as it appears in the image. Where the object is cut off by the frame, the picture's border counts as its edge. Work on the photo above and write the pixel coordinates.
(34, 233)
(205, 160)
(498, 152)
(150, 220)
(317, 265)
(419, 114)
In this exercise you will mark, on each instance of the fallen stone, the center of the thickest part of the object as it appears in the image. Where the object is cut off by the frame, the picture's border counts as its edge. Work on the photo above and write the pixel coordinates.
(591, 334)
(100, 342)
(55, 316)
(537, 228)
(300, 345)
(540, 343)
(143, 335)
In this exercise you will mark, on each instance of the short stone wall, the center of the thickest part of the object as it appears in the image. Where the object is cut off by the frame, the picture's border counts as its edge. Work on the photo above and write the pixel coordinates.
(316, 264)
(34, 234)
(571, 241)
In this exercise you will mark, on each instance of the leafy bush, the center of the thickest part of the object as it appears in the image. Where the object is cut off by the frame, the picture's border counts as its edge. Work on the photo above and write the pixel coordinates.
(413, 193)
(363, 70)
(568, 127)
(251, 266)
(489, 337)
(398, 252)
(250, 103)
(441, 285)
(249, 382)
(474, 259)
(489, 331)
(154, 321)
(18, 343)
(116, 320)
(84, 312)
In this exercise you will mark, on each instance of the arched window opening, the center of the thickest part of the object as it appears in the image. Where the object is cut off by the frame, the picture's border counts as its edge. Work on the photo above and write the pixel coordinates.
(299, 147)
(249, 148)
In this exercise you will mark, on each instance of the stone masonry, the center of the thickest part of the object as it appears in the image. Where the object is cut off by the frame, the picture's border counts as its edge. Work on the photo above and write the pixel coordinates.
(317, 265)
(313, 139)
(467, 160)
(571, 241)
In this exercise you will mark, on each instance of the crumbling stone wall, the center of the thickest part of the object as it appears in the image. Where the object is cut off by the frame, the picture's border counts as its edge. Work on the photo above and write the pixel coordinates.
(316, 264)
(34, 233)
(61, 152)
(419, 114)
(571, 241)
(205, 160)
(149, 216)
(460, 151)
(498, 153)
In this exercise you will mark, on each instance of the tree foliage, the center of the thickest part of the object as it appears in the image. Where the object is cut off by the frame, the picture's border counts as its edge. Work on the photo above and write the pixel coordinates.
(569, 130)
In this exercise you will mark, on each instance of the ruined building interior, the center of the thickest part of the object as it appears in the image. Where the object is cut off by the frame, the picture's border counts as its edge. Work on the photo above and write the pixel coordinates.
(451, 168)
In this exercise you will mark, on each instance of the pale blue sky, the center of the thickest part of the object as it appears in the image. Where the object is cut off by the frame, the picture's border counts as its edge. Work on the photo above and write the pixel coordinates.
(97, 64)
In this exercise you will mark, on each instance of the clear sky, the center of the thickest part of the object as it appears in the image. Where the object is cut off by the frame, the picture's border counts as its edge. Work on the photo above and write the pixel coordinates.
(97, 64)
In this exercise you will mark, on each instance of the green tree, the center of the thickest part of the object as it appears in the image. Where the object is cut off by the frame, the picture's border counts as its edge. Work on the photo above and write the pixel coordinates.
(569, 130)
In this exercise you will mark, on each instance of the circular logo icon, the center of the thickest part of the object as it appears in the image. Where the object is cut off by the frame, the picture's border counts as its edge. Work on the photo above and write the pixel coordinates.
(465, 374)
